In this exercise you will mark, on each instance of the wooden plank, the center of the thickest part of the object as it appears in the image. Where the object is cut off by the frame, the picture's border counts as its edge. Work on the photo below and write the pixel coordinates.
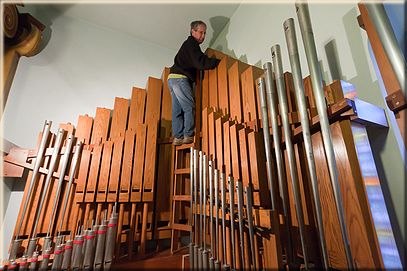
(93, 173)
(235, 150)
(83, 171)
(205, 129)
(362, 235)
(68, 127)
(137, 106)
(226, 147)
(166, 107)
(104, 171)
(213, 88)
(119, 117)
(154, 93)
(219, 122)
(249, 99)
(205, 91)
(235, 97)
(100, 125)
(114, 180)
(84, 128)
(258, 169)
(223, 90)
(139, 155)
(211, 135)
(244, 158)
(127, 166)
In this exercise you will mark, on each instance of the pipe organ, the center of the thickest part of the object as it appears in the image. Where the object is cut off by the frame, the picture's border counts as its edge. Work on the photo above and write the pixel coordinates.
(272, 180)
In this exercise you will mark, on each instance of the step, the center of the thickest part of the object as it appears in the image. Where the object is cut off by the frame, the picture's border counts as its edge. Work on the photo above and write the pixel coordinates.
(185, 146)
(182, 197)
(180, 171)
(181, 227)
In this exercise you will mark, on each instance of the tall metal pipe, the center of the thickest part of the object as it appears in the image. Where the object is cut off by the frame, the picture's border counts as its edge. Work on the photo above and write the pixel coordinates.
(282, 98)
(316, 80)
(281, 176)
(266, 136)
(291, 39)
(34, 176)
(61, 181)
(389, 42)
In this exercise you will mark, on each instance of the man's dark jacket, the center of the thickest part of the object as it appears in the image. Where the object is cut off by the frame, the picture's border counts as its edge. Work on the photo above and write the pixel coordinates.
(190, 58)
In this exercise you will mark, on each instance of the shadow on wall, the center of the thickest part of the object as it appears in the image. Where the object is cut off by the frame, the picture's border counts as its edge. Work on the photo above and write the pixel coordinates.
(219, 24)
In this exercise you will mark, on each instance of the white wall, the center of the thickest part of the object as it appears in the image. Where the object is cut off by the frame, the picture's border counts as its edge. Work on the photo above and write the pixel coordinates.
(81, 67)
(254, 28)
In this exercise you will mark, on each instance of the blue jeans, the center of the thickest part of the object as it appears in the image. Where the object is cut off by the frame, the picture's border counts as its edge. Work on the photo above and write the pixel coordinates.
(183, 107)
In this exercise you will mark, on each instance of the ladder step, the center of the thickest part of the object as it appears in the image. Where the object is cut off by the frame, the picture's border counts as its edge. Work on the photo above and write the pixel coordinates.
(179, 171)
(181, 227)
(184, 146)
(182, 197)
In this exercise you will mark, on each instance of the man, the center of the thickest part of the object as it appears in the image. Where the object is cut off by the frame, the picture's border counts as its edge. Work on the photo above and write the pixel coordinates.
(187, 62)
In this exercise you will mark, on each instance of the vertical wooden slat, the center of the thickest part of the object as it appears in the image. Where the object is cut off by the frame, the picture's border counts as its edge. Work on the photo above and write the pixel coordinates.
(84, 128)
(219, 143)
(137, 106)
(153, 103)
(100, 125)
(115, 169)
(235, 97)
(249, 99)
(223, 85)
(119, 117)
(205, 128)
(127, 166)
(213, 88)
(138, 166)
(104, 171)
(205, 91)
(226, 147)
(93, 173)
(234, 150)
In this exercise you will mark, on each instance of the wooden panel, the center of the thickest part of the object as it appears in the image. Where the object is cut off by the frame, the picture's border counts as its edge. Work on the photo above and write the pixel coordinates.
(362, 235)
(68, 127)
(154, 93)
(127, 166)
(212, 116)
(226, 147)
(139, 155)
(235, 97)
(84, 128)
(334, 243)
(213, 88)
(83, 171)
(137, 106)
(115, 169)
(104, 171)
(205, 135)
(244, 159)
(219, 143)
(309, 94)
(119, 117)
(166, 107)
(93, 173)
(100, 125)
(205, 90)
(223, 90)
(258, 169)
(153, 102)
(234, 150)
(150, 161)
(289, 87)
(249, 99)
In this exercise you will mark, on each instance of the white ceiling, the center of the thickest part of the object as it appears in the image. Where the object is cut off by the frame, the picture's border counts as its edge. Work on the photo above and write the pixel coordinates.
(165, 24)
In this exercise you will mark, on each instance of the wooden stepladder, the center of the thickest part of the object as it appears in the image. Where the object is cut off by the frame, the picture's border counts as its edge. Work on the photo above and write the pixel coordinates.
(181, 197)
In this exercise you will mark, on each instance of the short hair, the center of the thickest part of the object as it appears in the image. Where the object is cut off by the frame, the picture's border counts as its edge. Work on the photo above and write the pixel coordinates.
(195, 24)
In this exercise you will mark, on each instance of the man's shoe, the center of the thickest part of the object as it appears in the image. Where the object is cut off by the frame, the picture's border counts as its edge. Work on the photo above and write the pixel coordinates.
(177, 141)
(188, 140)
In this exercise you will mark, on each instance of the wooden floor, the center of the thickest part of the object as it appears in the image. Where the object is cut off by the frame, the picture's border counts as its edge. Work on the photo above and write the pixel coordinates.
(157, 261)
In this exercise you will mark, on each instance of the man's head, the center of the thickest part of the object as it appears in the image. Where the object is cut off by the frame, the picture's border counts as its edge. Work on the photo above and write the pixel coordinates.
(198, 31)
